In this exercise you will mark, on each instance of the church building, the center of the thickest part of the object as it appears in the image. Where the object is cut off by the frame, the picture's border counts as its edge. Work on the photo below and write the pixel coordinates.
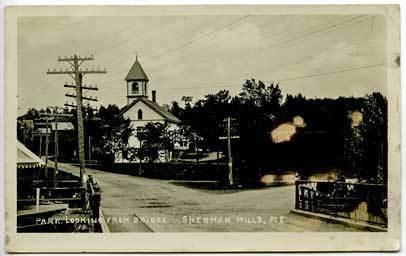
(140, 109)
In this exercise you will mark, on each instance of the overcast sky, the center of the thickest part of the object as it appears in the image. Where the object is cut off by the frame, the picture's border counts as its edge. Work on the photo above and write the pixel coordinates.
(318, 56)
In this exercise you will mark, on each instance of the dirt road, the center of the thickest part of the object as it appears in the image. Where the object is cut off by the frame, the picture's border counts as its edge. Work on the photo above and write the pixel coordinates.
(183, 206)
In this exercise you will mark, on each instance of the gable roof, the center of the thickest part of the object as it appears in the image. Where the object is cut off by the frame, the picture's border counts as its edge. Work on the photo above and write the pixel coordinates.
(136, 72)
(62, 126)
(154, 106)
(26, 158)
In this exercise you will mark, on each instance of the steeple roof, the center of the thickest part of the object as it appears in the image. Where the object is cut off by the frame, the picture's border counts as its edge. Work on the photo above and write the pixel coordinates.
(136, 72)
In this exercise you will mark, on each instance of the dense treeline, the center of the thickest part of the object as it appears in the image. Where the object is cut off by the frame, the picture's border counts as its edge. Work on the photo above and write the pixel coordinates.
(326, 136)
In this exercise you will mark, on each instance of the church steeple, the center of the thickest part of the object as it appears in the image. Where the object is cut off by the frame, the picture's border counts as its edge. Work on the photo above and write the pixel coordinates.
(137, 81)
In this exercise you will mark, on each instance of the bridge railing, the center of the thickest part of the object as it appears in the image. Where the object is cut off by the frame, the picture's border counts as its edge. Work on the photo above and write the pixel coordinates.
(357, 201)
(94, 197)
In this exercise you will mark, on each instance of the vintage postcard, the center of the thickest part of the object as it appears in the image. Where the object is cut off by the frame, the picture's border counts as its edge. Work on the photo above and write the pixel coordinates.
(202, 128)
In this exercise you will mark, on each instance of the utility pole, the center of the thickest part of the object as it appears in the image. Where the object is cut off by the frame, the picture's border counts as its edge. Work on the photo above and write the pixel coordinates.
(46, 146)
(230, 158)
(40, 145)
(90, 148)
(40, 134)
(77, 74)
(229, 137)
(56, 116)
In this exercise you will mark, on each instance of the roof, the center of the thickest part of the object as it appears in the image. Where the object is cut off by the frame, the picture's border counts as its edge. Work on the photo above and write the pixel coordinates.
(43, 130)
(62, 126)
(28, 123)
(26, 158)
(136, 72)
(154, 106)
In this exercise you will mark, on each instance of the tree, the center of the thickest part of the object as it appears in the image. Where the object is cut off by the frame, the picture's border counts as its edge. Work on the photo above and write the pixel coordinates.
(375, 131)
(268, 97)
(111, 133)
(206, 116)
(154, 138)
(354, 145)
(365, 147)
(259, 112)
(176, 110)
(187, 100)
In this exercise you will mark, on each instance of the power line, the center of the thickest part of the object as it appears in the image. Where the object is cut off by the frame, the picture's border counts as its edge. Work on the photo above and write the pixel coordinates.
(303, 36)
(299, 38)
(195, 40)
(325, 53)
(202, 37)
(150, 35)
(274, 21)
(194, 28)
(284, 79)
(333, 72)
(202, 49)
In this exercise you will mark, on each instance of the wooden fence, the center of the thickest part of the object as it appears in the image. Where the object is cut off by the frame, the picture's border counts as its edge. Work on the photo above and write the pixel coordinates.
(360, 202)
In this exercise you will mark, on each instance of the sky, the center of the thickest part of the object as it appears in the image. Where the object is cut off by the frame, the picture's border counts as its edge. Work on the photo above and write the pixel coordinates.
(315, 55)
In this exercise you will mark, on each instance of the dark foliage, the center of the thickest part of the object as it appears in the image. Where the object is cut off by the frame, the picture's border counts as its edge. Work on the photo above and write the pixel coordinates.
(324, 141)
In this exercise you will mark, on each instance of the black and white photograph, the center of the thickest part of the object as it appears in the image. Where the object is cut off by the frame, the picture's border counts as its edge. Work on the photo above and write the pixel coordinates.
(207, 121)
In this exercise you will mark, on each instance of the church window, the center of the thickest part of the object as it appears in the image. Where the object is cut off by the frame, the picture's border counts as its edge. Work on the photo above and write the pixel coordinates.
(139, 114)
(135, 88)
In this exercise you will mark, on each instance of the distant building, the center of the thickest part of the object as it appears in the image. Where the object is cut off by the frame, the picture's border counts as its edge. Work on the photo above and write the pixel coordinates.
(33, 134)
(62, 126)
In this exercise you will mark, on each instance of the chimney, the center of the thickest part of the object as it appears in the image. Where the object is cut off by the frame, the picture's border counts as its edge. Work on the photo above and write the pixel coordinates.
(153, 96)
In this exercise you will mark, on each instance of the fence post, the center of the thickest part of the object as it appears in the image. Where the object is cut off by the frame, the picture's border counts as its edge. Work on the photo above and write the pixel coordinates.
(311, 200)
(315, 202)
(96, 205)
(302, 199)
(297, 194)
(37, 199)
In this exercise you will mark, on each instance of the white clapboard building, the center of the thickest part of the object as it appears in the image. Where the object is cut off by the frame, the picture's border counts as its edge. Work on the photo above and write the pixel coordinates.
(140, 109)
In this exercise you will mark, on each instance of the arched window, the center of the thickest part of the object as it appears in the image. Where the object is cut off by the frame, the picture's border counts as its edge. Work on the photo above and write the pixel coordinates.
(135, 88)
(139, 114)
